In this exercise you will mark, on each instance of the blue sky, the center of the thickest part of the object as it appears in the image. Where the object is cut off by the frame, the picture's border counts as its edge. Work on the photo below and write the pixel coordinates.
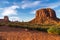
(24, 10)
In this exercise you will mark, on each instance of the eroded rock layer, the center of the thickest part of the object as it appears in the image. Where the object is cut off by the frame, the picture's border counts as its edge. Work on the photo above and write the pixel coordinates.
(46, 15)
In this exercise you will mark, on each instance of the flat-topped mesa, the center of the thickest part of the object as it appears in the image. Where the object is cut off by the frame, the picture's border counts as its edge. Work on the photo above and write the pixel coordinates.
(6, 19)
(46, 15)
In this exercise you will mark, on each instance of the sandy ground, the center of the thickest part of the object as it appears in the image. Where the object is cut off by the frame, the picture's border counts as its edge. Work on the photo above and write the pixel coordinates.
(7, 33)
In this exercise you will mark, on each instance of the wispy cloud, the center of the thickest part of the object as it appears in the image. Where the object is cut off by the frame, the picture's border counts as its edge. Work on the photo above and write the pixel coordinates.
(1, 8)
(15, 18)
(29, 4)
(10, 10)
(54, 5)
(34, 11)
(1, 17)
(49, 5)
(28, 19)
(58, 13)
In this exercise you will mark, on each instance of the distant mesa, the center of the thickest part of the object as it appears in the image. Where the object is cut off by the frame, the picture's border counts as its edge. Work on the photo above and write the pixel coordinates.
(45, 16)
(6, 19)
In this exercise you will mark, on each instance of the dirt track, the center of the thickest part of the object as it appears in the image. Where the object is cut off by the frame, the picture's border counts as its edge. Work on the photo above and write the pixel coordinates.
(24, 34)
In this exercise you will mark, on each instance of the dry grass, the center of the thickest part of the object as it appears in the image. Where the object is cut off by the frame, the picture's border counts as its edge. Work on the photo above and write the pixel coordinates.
(27, 35)
(7, 33)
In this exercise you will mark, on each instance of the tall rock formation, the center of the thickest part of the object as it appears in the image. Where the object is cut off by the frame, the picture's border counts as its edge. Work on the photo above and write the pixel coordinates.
(45, 16)
(6, 19)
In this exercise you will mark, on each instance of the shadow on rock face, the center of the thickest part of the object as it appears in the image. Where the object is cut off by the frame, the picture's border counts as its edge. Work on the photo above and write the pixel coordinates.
(2, 38)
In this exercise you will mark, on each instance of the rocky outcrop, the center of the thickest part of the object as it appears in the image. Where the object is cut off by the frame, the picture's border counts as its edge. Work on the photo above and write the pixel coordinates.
(6, 19)
(46, 15)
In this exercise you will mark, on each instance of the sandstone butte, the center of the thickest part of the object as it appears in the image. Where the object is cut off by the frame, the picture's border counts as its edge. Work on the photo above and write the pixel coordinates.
(45, 16)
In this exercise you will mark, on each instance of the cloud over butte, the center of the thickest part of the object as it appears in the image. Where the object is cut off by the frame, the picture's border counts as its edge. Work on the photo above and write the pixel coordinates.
(45, 16)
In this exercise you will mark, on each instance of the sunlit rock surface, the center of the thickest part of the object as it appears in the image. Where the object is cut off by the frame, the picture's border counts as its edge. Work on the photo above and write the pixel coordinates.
(46, 15)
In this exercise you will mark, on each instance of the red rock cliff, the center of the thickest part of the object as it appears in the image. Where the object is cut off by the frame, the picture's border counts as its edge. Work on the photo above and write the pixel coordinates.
(46, 16)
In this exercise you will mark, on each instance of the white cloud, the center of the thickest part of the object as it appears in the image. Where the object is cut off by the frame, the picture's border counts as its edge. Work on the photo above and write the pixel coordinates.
(10, 10)
(58, 10)
(54, 5)
(1, 8)
(58, 13)
(28, 19)
(34, 11)
(15, 18)
(29, 4)
(49, 5)
(1, 17)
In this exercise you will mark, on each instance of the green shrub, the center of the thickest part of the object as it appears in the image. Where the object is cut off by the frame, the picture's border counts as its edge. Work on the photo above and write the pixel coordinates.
(12, 25)
(2, 24)
(53, 30)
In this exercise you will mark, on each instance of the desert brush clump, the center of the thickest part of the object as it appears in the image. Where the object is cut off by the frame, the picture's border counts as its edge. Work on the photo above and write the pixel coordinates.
(13, 25)
(53, 30)
(40, 27)
(2, 24)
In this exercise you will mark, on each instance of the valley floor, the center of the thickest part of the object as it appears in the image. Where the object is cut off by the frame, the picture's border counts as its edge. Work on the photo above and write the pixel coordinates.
(25, 34)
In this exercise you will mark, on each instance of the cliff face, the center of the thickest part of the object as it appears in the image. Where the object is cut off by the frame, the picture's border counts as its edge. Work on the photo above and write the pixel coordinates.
(46, 15)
